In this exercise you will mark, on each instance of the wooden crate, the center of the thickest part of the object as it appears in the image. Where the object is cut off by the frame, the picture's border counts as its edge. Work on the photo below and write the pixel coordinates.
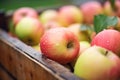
(19, 61)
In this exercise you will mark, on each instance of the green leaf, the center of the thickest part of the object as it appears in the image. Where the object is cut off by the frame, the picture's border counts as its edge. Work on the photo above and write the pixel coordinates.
(102, 22)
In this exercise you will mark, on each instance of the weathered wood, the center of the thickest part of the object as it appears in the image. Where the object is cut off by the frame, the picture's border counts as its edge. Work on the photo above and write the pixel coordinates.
(4, 74)
(24, 63)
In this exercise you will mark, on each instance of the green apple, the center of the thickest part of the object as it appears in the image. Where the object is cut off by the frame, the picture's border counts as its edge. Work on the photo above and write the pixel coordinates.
(97, 63)
(29, 30)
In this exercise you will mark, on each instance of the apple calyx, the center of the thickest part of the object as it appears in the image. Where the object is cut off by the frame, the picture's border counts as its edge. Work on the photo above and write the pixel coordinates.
(70, 44)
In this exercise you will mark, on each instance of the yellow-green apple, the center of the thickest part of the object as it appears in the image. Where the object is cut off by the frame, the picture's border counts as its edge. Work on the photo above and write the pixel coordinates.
(90, 9)
(84, 45)
(97, 63)
(69, 14)
(82, 35)
(29, 30)
(109, 39)
(60, 45)
(48, 15)
(24, 12)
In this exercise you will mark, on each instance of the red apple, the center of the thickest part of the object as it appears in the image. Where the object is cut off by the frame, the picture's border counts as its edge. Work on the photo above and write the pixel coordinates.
(60, 44)
(24, 12)
(109, 39)
(90, 9)
(69, 14)
(29, 30)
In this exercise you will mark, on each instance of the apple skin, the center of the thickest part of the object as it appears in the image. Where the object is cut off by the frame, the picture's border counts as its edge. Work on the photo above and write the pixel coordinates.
(90, 9)
(29, 30)
(60, 45)
(51, 24)
(84, 45)
(108, 9)
(48, 15)
(97, 63)
(69, 14)
(107, 39)
(81, 35)
(37, 47)
(24, 12)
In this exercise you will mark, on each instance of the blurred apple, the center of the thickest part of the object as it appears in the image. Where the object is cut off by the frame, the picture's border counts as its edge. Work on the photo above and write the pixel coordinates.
(51, 24)
(24, 12)
(48, 15)
(90, 9)
(108, 8)
(69, 14)
(82, 34)
(109, 39)
(97, 63)
(29, 30)
(37, 47)
(60, 45)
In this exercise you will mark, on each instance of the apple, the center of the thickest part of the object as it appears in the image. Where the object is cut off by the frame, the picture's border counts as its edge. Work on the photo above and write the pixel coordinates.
(24, 12)
(82, 35)
(90, 9)
(97, 63)
(69, 14)
(109, 39)
(51, 24)
(60, 45)
(84, 45)
(48, 15)
(37, 47)
(29, 30)
(117, 3)
(108, 9)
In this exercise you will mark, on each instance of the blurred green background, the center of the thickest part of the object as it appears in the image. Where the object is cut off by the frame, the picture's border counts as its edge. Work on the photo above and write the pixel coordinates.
(14, 4)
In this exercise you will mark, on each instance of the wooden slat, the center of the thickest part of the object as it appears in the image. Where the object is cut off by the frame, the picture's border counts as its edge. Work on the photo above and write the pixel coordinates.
(5, 75)
(25, 63)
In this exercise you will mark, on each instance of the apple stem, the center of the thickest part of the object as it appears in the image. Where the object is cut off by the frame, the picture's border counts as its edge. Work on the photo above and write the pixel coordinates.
(106, 52)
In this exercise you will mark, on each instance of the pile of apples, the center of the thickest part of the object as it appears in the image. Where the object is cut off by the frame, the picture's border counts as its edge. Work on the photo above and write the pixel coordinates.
(66, 35)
